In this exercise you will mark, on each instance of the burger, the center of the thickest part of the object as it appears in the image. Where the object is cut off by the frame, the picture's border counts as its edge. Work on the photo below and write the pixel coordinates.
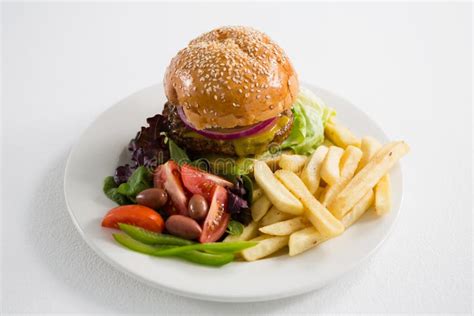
(233, 91)
(230, 91)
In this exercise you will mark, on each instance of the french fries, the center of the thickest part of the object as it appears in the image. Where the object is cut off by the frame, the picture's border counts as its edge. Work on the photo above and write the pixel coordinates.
(265, 247)
(358, 209)
(340, 135)
(311, 174)
(308, 238)
(260, 207)
(330, 167)
(317, 214)
(293, 163)
(304, 239)
(368, 177)
(274, 215)
(349, 162)
(285, 227)
(275, 191)
(383, 196)
(250, 231)
(312, 199)
(369, 147)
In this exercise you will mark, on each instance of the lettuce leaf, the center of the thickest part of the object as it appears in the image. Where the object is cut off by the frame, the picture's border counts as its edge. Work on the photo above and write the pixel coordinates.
(148, 148)
(310, 115)
(110, 189)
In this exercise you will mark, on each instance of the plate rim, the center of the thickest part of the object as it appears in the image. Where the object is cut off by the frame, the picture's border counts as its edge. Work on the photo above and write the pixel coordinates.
(238, 299)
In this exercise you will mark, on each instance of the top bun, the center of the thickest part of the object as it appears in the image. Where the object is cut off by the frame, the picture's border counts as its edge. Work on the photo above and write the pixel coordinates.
(231, 76)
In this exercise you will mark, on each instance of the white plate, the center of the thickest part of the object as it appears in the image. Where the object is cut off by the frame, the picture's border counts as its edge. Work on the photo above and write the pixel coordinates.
(101, 148)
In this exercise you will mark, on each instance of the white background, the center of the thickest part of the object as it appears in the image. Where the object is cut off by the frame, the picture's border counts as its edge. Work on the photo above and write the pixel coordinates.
(407, 65)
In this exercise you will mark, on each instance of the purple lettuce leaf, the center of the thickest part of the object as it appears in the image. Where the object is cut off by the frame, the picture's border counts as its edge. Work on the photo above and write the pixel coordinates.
(148, 148)
(122, 174)
(237, 205)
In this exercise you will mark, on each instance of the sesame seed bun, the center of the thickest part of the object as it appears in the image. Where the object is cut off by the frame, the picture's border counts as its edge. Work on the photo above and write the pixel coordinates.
(229, 77)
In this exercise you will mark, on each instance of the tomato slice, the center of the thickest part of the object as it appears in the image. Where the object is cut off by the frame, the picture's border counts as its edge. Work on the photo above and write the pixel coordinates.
(217, 218)
(200, 182)
(137, 215)
(167, 177)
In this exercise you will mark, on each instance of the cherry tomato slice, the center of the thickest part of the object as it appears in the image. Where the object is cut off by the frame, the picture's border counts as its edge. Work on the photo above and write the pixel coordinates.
(137, 215)
(167, 177)
(200, 182)
(217, 218)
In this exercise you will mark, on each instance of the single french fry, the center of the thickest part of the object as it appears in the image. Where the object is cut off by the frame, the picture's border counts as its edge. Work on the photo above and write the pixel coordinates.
(368, 177)
(358, 209)
(349, 162)
(383, 200)
(256, 194)
(250, 231)
(304, 239)
(293, 163)
(274, 215)
(265, 247)
(260, 207)
(317, 214)
(285, 227)
(311, 174)
(340, 135)
(275, 191)
(383, 196)
(330, 168)
(369, 147)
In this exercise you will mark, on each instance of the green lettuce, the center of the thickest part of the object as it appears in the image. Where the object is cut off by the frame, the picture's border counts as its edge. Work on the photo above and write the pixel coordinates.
(310, 115)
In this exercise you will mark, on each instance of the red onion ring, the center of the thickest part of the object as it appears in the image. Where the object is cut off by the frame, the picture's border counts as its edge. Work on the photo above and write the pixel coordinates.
(230, 133)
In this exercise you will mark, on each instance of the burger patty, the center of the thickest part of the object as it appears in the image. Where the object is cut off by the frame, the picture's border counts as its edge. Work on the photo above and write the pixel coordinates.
(178, 132)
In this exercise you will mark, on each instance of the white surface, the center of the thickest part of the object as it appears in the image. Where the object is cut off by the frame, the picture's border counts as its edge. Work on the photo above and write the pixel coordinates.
(407, 65)
(101, 146)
